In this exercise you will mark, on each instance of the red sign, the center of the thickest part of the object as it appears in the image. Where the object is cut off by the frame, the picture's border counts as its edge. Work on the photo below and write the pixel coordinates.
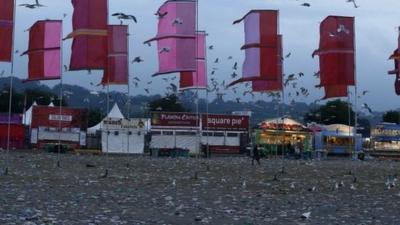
(174, 120)
(225, 122)
(45, 116)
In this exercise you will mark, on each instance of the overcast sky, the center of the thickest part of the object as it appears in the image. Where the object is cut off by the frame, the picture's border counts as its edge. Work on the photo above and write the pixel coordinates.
(376, 38)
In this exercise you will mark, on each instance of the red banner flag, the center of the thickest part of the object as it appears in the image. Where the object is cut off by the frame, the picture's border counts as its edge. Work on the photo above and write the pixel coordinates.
(261, 46)
(6, 29)
(396, 58)
(335, 91)
(194, 80)
(45, 50)
(89, 22)
(116, 71)
(336, 51)
(272, 85)
(176, 37)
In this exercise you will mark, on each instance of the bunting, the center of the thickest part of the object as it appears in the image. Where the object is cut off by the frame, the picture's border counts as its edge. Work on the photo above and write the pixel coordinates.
(396, 58)
(6, 29)
(196, 80)
(44, 50)
(116, 71)
(89, 46)
(336, 55)
(262, 55)
(272, 85)
(176, 37)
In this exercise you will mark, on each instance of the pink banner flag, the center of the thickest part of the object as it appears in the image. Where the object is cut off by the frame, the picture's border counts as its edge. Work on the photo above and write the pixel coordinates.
(272, 85)
(261, 46)
(44, 50)
(176, 37)
(6, 29)
(116, 71)
(89, 46)
(196, 80)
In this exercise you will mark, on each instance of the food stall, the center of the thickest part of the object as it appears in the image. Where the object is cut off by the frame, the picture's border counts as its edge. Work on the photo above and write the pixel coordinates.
(337, 139)
(386, 137)
(279, 134)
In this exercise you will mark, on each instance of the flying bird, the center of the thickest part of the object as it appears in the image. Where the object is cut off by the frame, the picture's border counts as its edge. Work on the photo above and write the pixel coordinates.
(160, 15)
(32, 6)
(354, 3)
(165, 49)
(306, 4)
(178, 21)
(137, 60)
(367, 108)
(123, 16)
(235, 66)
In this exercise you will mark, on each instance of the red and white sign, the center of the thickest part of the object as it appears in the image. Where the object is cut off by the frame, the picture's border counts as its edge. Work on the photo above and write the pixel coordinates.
(45, 116)
(225, 122)
(174, 120)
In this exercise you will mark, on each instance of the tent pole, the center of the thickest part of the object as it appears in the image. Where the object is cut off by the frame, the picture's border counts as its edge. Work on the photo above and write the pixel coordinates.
(60, 104)
(6, 168)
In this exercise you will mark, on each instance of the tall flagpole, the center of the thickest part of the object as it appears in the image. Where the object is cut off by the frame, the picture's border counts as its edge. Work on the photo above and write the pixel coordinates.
(206, 88)
(6, 169)
(108, 112)
(60, 101)
(129, 106)
(355, 94)
(198, 141)
(349, 117)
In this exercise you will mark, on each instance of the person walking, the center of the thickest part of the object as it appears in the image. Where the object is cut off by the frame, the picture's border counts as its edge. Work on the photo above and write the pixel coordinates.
(256, 155)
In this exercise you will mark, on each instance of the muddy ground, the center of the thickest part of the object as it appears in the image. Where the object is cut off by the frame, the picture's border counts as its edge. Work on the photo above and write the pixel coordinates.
(225, 190)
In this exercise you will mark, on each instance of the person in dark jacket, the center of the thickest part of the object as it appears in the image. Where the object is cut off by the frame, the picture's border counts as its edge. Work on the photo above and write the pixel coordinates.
(256, 155)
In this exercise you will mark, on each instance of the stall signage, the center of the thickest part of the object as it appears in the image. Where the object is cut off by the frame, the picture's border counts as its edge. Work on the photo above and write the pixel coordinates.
(112, 123)
(161, 119)
(225, 122)
(65, 118)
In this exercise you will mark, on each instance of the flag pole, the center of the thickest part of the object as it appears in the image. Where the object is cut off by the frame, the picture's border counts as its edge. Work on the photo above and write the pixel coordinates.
(206, 88)
(107, 111)
(355, 95)
(6, 169)
(129, 106)
(60, 101)
(349, 117)
(198, 141)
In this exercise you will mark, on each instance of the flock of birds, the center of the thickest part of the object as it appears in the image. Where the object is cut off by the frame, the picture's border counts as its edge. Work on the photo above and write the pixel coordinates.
(218, 85)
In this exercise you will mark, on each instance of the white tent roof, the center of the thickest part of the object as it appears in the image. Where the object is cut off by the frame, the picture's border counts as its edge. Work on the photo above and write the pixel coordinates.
(281, 120)
(27, 117)
(340, 129)
(115, 113)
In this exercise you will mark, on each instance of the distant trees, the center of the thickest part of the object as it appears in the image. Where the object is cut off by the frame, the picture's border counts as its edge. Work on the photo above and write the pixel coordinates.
(391, 117)
(334, 112)
(95, 116)
(170, 103)
(26, 99)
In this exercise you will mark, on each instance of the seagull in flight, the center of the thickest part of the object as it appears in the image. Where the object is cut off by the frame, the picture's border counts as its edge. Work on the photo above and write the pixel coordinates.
(123, 16)
(32, 6)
